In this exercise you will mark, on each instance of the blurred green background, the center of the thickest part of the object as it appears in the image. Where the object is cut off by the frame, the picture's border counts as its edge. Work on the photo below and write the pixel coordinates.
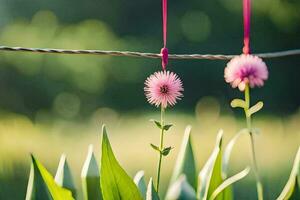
(51, 104)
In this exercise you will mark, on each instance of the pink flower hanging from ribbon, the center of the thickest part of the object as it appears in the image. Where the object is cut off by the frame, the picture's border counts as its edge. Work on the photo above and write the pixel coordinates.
(163, 88)
(246, 69)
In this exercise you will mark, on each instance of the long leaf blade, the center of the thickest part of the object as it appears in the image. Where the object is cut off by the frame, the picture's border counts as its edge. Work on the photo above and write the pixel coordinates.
(185, 163)
(139, 180)
(44, 186)
(151, 192)
(228, 182)
(90, 177)
(210, 176)
(63, 175)
(228, 150)
(181, 190)
(292, 188)
(115, 183)
(36, 188)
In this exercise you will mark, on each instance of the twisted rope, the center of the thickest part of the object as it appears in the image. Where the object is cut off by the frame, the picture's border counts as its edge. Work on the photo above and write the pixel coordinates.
(146, 55)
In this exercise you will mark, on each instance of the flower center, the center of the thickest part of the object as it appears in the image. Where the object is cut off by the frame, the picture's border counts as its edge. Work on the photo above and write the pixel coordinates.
(164, 89)
(248, 73)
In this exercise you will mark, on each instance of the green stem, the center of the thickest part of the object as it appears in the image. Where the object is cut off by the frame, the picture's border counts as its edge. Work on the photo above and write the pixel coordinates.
(259, 186)
(162, 115)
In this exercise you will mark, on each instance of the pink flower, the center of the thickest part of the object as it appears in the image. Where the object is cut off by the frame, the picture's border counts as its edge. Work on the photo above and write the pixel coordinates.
(163, 88)
(246, 69)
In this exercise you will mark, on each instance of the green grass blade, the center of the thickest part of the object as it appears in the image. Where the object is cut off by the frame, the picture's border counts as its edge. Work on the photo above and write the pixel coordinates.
(151, 192)
(115, 183)
(42, 185)
(91, 178)
(228, 150)
(291, 191)
(64, 177)
(36, 188)
(185, 163)
(210, 176)
(228, 182)
(181, 190)
(139, 180)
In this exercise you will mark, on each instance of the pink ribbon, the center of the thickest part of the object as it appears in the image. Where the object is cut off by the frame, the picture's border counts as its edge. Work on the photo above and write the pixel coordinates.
(246, 14)
(164, 51)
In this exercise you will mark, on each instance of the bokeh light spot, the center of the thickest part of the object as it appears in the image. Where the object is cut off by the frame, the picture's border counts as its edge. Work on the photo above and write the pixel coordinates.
(66, 105)
(196, 26)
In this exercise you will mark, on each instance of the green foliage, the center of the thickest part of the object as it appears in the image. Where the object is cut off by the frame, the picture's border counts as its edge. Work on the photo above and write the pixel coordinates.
(157, 123)
(41, 185)
(291, 191)
(139, 180)
(91, 178)
(227, 183)
(228, 192)
(213, 181)
(115, 183)
(64, 177)
(156, 148)
(112, 183)
(210, 176)
(257, 107)
(165, 127)
(228, 150)
(151, 192)
(185, 163)
(238, 103)
(166, 151)
(181, 190)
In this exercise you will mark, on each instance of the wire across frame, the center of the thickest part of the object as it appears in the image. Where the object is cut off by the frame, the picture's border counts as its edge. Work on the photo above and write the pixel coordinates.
(278, 54)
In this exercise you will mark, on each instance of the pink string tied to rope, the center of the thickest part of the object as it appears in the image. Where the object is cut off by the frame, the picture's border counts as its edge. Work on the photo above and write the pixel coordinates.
(164, 57)
(164, 51)
(246, 15)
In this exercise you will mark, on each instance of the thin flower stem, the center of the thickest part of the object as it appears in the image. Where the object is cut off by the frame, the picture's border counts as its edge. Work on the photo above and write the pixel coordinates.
(259, 186)
(162, 115)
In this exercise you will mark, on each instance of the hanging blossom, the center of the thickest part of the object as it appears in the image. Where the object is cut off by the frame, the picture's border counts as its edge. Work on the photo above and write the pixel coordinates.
(246, 69)
(163, 88)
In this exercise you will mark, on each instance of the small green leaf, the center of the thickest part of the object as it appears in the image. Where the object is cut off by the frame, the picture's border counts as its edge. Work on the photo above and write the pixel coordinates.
(90, 177)
(291, 191)
(41, 185)
(167, 127)
(181, 190)
(210, 176)
(238, 103)
(257, 107)
(63, 175)
(185, 163)
(156, 123)
(228, 182)
(156, 148)
(151, 192)
(115, 183)
(139, 180)
(166, 151)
